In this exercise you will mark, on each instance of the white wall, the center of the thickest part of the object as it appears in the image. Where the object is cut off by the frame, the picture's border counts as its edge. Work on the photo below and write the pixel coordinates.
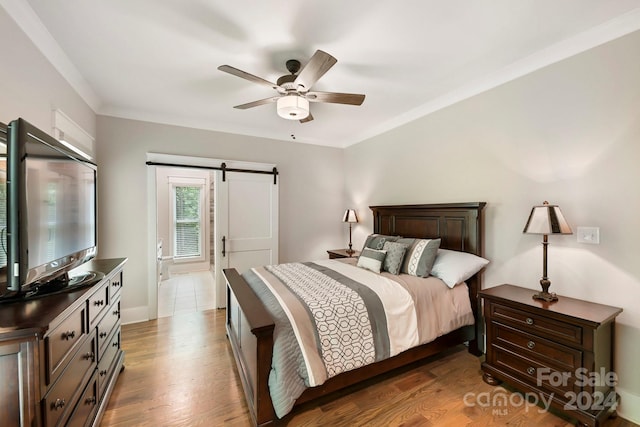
(31, 88)
(311, 192)
(569, 134)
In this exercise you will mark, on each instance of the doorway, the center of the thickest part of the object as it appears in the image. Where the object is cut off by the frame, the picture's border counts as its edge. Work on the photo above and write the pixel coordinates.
(184, 230)
(244, 232)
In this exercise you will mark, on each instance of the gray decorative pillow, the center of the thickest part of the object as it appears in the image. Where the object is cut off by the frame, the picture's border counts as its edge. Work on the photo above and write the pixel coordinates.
(395, 256)
(377, 241)
(371, 259)
(420, 256)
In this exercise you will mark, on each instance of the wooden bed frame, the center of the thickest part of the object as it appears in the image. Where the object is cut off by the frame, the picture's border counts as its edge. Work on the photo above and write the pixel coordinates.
(250, 327)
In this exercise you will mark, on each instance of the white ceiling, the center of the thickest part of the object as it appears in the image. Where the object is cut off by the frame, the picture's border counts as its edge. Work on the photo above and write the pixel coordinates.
(157, 60)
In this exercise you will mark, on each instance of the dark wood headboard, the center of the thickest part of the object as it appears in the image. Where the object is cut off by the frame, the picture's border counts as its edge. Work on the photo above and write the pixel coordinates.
(459, 225)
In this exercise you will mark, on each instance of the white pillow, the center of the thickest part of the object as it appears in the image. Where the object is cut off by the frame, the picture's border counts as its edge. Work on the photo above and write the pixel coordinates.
(371, 259)
(453, 267)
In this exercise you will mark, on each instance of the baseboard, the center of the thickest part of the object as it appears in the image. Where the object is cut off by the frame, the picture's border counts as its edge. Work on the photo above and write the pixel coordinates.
(134, 315)
(629, 407)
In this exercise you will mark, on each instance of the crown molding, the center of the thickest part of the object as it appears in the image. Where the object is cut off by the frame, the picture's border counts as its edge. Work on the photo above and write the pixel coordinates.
(22, 13)
(589, 39)
(615, 28)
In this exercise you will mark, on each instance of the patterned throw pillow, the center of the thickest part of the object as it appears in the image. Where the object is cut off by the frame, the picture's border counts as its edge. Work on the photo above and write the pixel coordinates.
(371, 259)
(395, 256)
(420, 256)
(377, 241)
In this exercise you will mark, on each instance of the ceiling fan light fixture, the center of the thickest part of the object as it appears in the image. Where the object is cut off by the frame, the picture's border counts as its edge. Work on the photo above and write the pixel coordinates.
(293, 107)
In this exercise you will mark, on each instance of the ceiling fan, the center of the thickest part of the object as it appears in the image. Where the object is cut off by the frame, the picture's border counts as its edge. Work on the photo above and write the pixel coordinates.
(294, 90)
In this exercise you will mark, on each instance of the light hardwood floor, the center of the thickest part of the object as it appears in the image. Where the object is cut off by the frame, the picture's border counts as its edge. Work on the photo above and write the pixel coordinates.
(179, 371)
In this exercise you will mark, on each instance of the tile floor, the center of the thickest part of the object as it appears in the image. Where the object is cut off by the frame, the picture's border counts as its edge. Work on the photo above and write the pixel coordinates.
(186, 293)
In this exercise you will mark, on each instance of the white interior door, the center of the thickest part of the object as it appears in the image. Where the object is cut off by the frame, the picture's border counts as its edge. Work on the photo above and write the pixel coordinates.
(246, 224)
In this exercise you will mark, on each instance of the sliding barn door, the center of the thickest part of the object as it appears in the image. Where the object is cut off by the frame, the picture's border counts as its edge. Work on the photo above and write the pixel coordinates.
(246, 224)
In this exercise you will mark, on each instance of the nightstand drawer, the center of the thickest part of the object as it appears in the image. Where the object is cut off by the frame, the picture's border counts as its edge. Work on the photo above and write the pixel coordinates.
(555, 355)
(549, 328)
(533, 371)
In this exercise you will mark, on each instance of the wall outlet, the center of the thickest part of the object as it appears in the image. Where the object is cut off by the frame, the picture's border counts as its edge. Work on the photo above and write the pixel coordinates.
(589, 235)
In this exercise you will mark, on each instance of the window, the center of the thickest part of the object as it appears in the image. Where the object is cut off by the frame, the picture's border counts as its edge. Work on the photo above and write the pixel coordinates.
(188, 221)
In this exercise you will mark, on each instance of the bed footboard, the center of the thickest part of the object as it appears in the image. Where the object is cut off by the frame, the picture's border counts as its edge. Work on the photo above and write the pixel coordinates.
(250, 332)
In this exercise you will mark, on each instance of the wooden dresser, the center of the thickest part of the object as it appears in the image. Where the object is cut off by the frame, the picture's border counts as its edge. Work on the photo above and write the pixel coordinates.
(60, 355)
(560, 351)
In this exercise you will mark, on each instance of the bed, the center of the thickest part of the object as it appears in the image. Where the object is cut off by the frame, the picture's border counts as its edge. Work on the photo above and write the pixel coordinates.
(250, 326)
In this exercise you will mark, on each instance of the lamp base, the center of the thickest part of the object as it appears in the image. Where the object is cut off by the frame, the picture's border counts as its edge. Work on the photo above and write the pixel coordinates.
(546, 296)
(350, 251)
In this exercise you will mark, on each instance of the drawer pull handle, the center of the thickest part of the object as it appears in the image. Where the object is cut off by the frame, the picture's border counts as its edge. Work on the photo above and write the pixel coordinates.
(103, 334)
(90, 400)
(531, 345)
(531, 370)
(98, 303)
(89, 356)
(103, 373)
(115, 284)
(529, 321)
(69, 335)
(59, 403)
(115, 344)
(116, 312)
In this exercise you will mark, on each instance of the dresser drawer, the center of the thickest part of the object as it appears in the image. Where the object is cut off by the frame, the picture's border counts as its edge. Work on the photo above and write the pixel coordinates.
(535, 324)
(555, 355)
(61, 340)
(107, 324)
(533, 371)
(115, 284)
(86, 406)
(60, 398)
(97, 303)
(106, 362)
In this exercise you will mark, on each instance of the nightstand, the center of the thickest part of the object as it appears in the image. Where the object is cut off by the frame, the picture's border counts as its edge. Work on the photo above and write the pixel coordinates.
(560, 352)
(341, 253)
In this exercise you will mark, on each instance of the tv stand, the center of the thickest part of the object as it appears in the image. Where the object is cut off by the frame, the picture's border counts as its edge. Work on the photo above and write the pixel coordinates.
(60, 354)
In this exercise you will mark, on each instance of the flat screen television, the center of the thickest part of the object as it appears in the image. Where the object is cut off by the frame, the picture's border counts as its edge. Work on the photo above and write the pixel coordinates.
(4, 291)
(50, 213)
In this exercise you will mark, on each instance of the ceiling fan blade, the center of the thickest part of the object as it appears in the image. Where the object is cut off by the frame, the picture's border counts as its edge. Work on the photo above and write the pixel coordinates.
(307, 119)
(243, 74)
(319, 64)
(256, 103)
(335, 98)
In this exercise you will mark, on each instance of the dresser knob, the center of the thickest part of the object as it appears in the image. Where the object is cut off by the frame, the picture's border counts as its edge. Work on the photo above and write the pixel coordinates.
(529, 321)
(531, 344)
(89, 355)
(68, 335)
(103, 334)
(98, 303)
(103, 372)
(531, 370)
(90, 400)
(59, 403)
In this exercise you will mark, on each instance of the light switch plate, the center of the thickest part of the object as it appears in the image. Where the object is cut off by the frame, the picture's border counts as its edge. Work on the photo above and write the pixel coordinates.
(589, 235)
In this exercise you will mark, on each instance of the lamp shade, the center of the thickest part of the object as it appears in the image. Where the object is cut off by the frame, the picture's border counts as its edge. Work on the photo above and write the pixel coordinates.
(546, 219)
(293, 107)
(350, 216)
